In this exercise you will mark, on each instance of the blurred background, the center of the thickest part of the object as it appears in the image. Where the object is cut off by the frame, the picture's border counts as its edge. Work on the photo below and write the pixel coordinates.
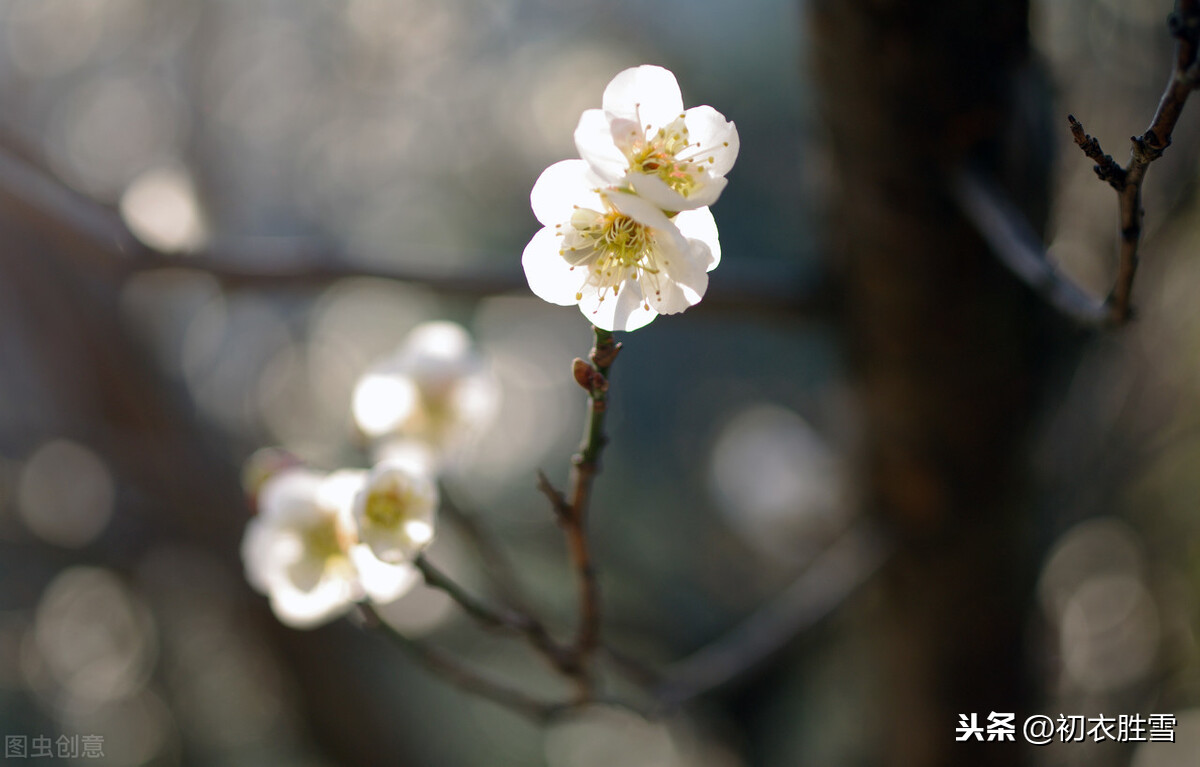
(215, 216)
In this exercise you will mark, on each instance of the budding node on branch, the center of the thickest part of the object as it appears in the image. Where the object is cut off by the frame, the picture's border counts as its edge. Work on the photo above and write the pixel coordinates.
(604, 355)
(592, 381)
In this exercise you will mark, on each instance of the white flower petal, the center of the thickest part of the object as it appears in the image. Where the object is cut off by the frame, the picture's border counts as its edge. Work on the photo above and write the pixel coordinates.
(292, 550)
(700, 225)
(648, 94)
(666, 297)
(381, 581)
(641, 210)
(682, 280)
(330, 599)
(433, 390)
(262, 550)
(560, 188)
(657, 191)
(337, 494)
(305, 572)
(692, 276)
(289, 497)
(625, 311)
(549, 275)
(393, 546)
(414, 454)
(626, 136)
(594, 140)
(716, 136)
(436, 341)
(709, 189)
(654, 190)
(395, 512)
(383, 401)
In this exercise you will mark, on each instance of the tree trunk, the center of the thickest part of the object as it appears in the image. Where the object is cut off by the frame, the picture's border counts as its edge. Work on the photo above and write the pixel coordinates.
(947, 347)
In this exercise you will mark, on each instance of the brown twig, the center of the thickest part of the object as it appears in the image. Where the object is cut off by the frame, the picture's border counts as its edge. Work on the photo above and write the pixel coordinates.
(1148, 147)
(458, 675)
(486, 614)
(558, 502)
(1019, 248)
(450, 670)
(490, 616)
(497, 565)
(572, 509)
(1107, 168)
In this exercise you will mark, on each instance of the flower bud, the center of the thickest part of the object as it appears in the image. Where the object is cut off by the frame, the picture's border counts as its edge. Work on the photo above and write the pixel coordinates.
(588, 377)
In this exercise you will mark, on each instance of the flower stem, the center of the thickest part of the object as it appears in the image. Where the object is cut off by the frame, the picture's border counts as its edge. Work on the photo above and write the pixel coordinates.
(585, 466)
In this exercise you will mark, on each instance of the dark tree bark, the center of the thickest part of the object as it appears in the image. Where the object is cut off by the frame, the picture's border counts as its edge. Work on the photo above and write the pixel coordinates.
(948, 348)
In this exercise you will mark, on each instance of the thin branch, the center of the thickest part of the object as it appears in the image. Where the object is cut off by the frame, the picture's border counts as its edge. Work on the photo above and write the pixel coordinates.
(1107, 169)
(491, 554)
(585, 466)
(848, 563)
(450, 670)
(521, 618)
(1148, 147)
(1019, 248)
(488, 615)
(562, 658)
(558, 502)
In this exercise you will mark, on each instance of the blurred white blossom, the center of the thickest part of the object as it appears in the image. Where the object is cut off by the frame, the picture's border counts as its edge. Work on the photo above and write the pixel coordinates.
(614, 253)
(643, 139)
(429, 398)
(302, 549)
(395, 511)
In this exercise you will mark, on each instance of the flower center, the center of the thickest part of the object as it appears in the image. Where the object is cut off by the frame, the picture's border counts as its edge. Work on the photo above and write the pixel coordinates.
(659, 156)
(323, 541)
(612, 245)
(621, 241)
(387, 508)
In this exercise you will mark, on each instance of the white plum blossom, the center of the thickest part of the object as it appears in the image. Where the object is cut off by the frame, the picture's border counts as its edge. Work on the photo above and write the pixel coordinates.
(614, 253)
(302, 549)
(627, 230)
(643, 139)
(429, 397)
(296, 550)
(394, 511)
